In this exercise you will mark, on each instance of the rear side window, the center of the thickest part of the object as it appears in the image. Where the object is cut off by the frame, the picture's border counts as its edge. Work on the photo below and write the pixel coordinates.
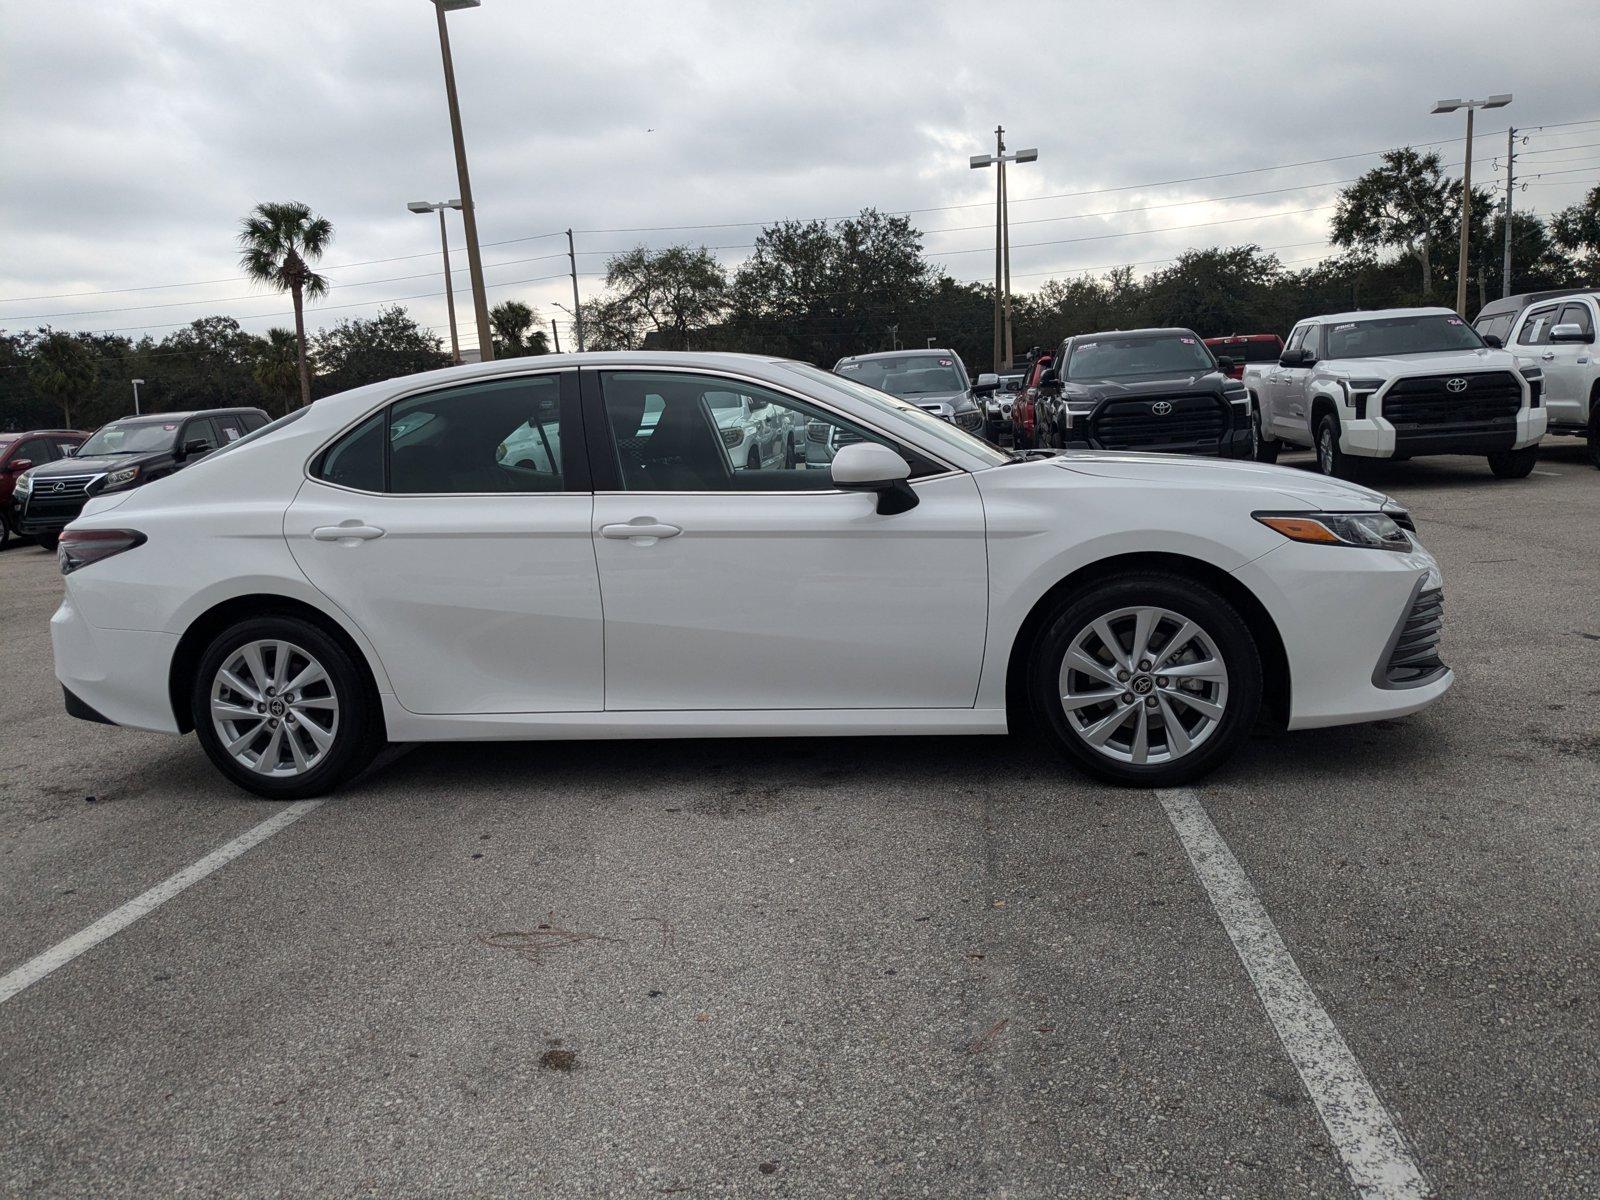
(1536, 329)
(356, 460)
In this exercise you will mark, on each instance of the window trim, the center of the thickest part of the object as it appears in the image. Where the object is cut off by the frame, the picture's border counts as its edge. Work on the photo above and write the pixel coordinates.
(602, 463)
(564, 379)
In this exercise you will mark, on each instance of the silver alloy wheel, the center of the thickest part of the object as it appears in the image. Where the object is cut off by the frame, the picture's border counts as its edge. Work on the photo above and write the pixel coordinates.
(1325, 449)
(274, 708)
(1143, 685)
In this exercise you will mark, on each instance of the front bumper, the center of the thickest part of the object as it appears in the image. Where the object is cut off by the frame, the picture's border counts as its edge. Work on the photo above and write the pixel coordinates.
(31, 520)
(1233, 444)
(1374, 437)
(1349, 620)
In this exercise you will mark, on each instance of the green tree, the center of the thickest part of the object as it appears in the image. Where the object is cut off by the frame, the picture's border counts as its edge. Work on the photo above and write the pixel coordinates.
(1214, 292)
(611, 324)
(1402, 204)
(519, 328)
(279, 242)
(359, 351)
(63, 370)
(1576, 230)
(677, 292)
(277, 366)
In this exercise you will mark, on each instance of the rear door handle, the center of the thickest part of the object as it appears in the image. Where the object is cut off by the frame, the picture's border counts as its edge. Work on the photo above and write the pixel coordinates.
(641, 528)
(1548, 356)
(353, 531)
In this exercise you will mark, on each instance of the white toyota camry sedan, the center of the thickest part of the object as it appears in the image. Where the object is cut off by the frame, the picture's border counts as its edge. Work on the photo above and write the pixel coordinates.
(566, 547)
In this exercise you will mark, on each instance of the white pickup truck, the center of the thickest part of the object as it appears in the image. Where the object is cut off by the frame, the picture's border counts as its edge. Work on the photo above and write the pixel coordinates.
(1555, 331)
(1396, 383)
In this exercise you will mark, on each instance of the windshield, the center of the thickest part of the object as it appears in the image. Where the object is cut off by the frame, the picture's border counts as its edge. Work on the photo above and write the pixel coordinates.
(1426, 334)
(925, 422)
(913, 375)
(129, 437)
(1115, 357)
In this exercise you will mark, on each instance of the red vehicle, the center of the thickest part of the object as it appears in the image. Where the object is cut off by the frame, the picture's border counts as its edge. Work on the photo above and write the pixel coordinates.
(1246, 348)
(18, 452)
(1025, 411)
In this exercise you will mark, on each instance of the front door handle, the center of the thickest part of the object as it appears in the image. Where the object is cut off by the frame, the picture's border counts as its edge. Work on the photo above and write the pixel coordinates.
(349, 531)
(1548, 356)
(641, 529)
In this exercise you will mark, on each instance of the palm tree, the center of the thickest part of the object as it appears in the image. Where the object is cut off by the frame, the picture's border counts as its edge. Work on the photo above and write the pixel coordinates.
(63, 370)
(278, 241)
(277, 366)
(516, 325)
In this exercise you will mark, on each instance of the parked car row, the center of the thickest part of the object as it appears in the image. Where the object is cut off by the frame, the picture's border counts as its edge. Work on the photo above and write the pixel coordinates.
(19, 454)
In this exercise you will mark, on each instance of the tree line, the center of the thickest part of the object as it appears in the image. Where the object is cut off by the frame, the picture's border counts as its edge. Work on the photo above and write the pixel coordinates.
(811, 290)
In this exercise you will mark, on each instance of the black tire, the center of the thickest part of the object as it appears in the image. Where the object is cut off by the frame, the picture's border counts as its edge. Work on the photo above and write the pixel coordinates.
(1331, 458)
(7, 534)
(1513, 464)
(357, 734)
(1189, 600)
(1261, 449)
(48, 541)
(752, 461)
(1594, 431)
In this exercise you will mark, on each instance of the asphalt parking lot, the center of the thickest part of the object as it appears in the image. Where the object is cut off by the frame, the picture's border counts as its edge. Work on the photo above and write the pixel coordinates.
(814, 968)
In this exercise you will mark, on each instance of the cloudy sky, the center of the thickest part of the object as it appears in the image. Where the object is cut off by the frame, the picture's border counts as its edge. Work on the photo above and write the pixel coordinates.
(136, 134)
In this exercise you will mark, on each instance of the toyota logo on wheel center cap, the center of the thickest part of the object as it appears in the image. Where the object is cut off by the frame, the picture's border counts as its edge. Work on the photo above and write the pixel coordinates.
(1456, 385)
(1142, 684)
(1161, 408)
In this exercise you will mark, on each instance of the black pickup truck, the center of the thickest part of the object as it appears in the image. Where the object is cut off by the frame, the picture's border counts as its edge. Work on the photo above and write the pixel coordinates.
(121, 455)
(1157, 390)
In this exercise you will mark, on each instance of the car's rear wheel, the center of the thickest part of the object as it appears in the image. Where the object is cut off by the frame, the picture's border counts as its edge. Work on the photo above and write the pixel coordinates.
(1146, 680)
(48, 541)
(1513, 464)
(1262, 450)
(283, 710)
(1594, 431)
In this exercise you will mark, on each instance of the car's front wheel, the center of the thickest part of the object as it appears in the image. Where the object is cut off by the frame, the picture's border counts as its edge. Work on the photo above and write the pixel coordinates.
(1513, 464)
(1331, 458)
(282, 710)
(1147, 679)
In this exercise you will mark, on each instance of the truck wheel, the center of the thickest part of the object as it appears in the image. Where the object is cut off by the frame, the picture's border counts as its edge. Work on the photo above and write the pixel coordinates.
(1148, 679)
(1594, 432)
(1513, 464)
(1331, 460)
(6, 535)
(49, 541)
(1262, 450)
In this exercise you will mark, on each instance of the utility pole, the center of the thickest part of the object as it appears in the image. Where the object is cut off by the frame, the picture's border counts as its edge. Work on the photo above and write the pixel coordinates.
(136, 384)
(555, 333)
(1472, 106)
(577, 309)
(480, 300)
(1511, 167)
(1002, 242)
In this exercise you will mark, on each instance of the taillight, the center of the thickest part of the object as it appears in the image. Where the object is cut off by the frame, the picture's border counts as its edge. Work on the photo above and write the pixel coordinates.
(80, 547)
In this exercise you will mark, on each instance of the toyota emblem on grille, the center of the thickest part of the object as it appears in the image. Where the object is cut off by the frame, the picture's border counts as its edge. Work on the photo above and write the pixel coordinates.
(1456, 385)
(1161, 408)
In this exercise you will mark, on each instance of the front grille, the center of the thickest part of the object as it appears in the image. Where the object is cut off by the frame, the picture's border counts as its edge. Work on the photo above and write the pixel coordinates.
(1415, 657)
(1195, 420)
(61, 487)
(1426, 401)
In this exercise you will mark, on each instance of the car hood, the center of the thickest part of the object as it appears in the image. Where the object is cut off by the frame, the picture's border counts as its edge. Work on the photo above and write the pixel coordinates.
(88, 466)
(1136, 386)
(942, 403)
(1441, 363)
(1313, 491)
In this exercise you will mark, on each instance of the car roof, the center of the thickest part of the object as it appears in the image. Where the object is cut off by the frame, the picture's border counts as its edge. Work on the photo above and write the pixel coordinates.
(1515, 304)
(8, 435)
(1243, 337)
(919, 353)
(1379, 314)
(1172, 331)
(158, 418)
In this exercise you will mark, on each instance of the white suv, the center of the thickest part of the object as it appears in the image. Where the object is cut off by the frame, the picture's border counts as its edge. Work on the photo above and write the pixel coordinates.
(1555, 332)
(1393, 384)
(414, 561)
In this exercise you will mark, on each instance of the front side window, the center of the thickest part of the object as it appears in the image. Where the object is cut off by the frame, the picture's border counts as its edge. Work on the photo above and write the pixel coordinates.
(201, 430)
(1578, 314)
(1297, 338)
(679, 432)
(1113, 357)
(131, 437)
(1429, 333)
(1536, 329)
(502, 435)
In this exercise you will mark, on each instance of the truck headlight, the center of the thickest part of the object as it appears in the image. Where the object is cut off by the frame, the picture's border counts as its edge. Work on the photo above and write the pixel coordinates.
(1358, 392)
(23, 484)
(732, 437)
(120, 478)
(1370, 531)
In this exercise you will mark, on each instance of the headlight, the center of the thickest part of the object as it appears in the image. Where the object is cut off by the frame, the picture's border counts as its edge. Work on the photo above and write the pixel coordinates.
(1237, 395)
(732, 437)
(120, 478)
(1372, 531)
(23, 485)
(1358, 392)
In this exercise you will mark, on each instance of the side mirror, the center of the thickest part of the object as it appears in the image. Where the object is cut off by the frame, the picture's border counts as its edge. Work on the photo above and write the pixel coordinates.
(1224, 363)
(1299, 357)
(1050, 380)
(196, 447)
(1494, 340)
(18, 465)
(988, 381)
(1570, 332)
(869, 467)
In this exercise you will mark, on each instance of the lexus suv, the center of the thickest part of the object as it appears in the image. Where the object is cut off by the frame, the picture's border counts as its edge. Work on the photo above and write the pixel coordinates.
(384, 566)
(124, 454)
(934, 380)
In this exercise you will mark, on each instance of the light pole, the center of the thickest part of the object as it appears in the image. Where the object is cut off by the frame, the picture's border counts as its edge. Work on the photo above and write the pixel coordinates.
(136, 384)
(1447, 106)
(1002, 242)
(480, 302)
(425, 207)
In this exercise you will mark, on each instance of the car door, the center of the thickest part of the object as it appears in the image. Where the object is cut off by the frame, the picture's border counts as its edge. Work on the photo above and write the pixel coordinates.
(461, 551)
(730, 588)
(1566, 366)
(1288, 394)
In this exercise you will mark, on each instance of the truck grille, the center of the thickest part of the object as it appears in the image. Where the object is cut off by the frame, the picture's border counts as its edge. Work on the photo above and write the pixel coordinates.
(1426, 401)
(1415, 656)
(1195, 420)
(61, 487)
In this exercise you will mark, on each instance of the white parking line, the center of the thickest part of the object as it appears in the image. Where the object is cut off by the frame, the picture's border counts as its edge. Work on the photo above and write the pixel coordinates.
(1552, 474)
(1368, 1141)
(115, 921)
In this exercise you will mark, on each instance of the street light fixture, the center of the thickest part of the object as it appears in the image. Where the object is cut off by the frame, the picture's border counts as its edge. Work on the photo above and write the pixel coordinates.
(1002, 242)
(1449, 106)
(424, 207)
(480, 301)
(136, 385)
